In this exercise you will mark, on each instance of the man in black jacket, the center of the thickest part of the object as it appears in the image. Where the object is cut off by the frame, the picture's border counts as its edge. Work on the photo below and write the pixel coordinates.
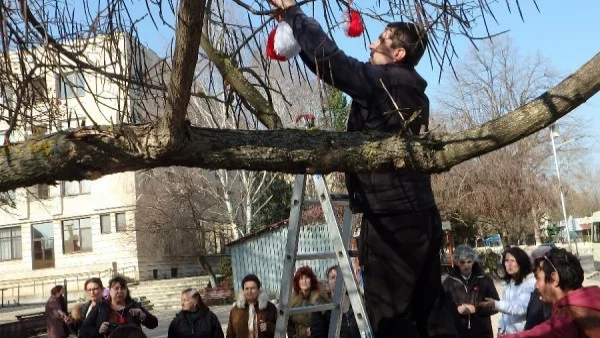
(401, 227)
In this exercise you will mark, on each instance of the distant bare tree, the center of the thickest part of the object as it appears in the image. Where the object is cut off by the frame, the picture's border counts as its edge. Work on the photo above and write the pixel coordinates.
(507, 191)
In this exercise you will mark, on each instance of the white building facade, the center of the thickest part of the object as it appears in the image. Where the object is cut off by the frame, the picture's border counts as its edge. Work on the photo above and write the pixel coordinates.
(79, 228)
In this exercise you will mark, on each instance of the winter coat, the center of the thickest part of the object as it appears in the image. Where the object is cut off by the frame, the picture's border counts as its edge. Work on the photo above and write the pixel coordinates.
(513, 305)
(537, 311)
(75, 325)
(203, 325)
(472, 291)
(376, 90)
(576, 315)
(238, 317)
(319, 324)
(101, 312)
(298, 323)
(55, 325)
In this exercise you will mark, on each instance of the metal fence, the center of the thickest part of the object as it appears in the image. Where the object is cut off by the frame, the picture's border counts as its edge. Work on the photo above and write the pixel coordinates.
(263, 255)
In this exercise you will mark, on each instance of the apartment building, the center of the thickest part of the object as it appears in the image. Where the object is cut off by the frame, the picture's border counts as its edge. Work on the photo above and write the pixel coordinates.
(85, 226)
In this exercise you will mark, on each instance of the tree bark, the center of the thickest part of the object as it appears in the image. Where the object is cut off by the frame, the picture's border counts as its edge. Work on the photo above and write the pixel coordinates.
(89, 153)
(206, 266)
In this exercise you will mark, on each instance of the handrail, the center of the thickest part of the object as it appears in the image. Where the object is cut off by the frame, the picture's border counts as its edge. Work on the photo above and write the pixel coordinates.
(32, 281)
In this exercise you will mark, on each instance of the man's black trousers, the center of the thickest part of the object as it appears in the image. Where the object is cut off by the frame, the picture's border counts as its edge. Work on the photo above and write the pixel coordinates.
(400, 255)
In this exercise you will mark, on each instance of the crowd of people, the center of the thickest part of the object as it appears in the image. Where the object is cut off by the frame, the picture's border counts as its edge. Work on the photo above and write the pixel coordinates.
(542, 296)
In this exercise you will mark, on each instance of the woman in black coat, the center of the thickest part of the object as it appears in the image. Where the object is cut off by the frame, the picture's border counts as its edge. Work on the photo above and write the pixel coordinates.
(468, 286)
(118, 310)
(195, 319)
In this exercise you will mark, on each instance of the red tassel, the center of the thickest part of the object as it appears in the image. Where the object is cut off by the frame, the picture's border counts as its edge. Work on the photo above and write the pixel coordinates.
(354, 23)
(271, 53)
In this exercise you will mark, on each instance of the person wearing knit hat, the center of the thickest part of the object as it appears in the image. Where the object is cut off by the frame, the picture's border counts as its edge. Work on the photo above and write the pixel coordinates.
(306, 292)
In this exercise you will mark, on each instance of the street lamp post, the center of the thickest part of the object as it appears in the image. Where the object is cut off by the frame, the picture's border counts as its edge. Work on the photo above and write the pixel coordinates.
(553, 134)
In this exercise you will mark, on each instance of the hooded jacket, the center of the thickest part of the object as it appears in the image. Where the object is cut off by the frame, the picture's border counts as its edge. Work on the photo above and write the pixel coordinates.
(576, 315)
(383, 98)
(472, 291)
(203, 324)
(238, 317)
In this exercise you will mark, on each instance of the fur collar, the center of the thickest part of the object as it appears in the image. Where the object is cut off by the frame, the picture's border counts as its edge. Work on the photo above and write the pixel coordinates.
(241, 303)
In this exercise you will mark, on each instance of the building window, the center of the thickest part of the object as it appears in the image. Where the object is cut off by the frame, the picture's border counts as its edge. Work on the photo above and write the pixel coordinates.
(70, 85)
(40, 191)
(77, 235)
(120, 221)
(43, 245)
(105, 224)
(8, 197)
(10, 243)
(73, 188)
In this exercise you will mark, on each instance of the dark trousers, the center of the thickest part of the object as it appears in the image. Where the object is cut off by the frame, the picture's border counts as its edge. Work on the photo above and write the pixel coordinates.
(400, 255)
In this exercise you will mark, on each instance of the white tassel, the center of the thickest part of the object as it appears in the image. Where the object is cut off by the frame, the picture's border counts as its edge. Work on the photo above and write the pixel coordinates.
(285, 43)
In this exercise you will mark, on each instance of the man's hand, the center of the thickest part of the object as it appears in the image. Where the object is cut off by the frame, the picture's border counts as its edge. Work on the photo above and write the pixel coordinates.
(283, 3)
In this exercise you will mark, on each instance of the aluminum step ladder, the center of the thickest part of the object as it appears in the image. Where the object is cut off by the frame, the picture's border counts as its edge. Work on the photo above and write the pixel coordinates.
(340, 238)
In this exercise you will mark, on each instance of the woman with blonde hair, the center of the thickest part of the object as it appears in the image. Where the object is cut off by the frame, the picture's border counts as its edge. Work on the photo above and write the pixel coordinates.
(195, 320)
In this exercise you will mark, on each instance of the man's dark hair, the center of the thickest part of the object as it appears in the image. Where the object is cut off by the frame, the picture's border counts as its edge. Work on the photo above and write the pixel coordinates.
(56, 290)
(251, 278)
(410, 37)
(523, 261)
(128, 331)
(567, 267)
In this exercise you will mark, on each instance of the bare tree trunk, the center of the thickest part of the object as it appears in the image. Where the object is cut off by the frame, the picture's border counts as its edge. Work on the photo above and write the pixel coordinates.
(206, 266)
(536, 227)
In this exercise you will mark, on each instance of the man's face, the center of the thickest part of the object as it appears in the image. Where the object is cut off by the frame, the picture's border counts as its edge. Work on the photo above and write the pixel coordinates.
(545, 289)
(382, 52)
(465, 266)
(251, 291)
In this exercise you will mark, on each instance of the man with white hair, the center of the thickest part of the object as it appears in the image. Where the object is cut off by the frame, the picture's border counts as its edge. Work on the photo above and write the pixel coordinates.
(468, 286)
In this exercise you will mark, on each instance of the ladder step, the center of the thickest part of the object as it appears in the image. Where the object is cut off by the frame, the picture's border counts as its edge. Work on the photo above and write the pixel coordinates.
(311, 308)
(323, 255)
(336, 199)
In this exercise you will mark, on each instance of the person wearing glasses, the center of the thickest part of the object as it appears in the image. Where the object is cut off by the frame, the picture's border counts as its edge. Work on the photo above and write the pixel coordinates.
(93, 287)
(518, 286)
(118, 310)
(467, 285)
(575, 309)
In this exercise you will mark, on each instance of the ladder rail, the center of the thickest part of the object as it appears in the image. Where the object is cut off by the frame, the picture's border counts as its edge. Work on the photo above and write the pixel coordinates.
(340, 287)
(340, 237)
(344, 260)
(291, 251)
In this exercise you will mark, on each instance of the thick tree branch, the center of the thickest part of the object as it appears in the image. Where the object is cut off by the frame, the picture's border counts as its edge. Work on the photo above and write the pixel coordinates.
(262, 109)
(187, 44)
(91, 153)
